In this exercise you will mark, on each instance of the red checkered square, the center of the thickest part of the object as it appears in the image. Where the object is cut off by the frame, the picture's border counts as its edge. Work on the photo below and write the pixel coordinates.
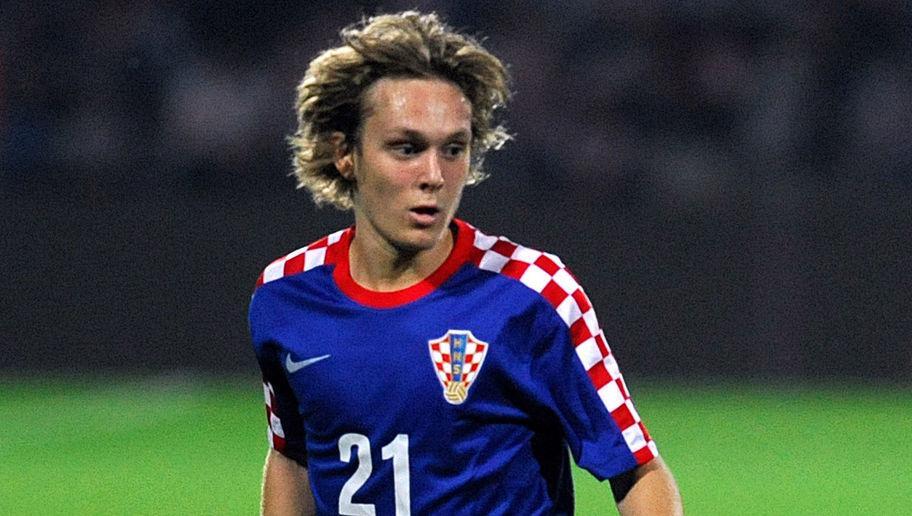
(602, 345)
(623, 417)
(579, 331)
(514, 269)
(622, 386)
(582, 300)
(554, 294)
(504, 247)
(645, 454)
(547, 264)
(294, 265)
(599, 375)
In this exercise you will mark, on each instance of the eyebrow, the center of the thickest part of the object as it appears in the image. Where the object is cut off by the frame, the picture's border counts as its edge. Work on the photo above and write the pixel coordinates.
(411, 133)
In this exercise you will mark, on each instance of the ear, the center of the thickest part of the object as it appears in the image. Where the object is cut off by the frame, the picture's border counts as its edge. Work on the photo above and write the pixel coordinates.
(342, 156)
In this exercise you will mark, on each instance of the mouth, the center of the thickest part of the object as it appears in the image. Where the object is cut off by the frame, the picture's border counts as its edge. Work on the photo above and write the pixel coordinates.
(425, 215)
(426, 210)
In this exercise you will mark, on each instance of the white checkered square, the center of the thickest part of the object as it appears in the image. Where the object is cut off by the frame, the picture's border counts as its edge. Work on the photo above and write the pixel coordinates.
(274, 270)
(535, 278)
(612, 366)
(589, 353)
(569, 311)
(524, 254)
(611, 396)
(267, 393)
(335, 237)
(484, 242)
(492, 261)
(276, 425)
(634, 437)
(314, 258)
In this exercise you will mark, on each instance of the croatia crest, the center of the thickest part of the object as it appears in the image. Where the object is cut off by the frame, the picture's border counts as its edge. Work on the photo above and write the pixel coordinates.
(457, 358)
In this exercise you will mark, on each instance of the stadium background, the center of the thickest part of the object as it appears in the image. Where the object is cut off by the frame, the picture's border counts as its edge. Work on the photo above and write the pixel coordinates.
(730, 183)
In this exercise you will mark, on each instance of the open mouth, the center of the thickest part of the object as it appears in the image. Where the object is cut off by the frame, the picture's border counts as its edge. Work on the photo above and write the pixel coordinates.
(426, 210)
(425, 216)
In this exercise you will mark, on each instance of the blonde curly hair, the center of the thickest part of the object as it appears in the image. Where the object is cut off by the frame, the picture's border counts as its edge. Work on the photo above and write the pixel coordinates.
(408, 44)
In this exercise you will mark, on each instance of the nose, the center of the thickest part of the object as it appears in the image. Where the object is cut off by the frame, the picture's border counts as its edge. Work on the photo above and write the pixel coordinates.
(432, 173)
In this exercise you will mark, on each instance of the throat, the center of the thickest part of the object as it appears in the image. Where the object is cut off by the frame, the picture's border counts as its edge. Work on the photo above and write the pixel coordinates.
(382, 267)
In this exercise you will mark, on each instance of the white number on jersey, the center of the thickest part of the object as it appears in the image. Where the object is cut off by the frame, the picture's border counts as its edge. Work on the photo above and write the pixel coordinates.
(397, 450)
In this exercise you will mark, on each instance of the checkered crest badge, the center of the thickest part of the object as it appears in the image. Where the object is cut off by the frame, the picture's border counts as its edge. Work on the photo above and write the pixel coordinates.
(457, 358)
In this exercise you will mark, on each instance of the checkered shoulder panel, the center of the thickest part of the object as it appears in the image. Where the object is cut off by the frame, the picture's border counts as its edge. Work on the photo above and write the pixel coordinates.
(547, 275)
(274, 431)
(301, 260)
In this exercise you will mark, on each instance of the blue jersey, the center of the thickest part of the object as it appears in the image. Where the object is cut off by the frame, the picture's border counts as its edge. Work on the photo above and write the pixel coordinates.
(463, 394)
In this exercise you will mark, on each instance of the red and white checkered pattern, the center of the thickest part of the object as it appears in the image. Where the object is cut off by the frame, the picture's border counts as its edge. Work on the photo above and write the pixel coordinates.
(274, 431)
(302, 260)
(547, 275)
(475, 352)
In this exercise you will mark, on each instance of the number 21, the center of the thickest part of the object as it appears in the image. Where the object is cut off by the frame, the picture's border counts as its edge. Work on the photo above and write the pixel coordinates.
(397, 450)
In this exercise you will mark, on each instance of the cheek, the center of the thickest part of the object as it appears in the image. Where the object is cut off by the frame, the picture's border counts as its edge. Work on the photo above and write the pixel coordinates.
(456, 171)
(383, 181)
(455, 183)
(457, 179)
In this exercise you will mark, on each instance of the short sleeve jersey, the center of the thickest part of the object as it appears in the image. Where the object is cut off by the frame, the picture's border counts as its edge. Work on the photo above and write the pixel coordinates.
(463, 394)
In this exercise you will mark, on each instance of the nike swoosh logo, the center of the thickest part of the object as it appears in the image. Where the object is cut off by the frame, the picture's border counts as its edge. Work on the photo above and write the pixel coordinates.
(294, 367)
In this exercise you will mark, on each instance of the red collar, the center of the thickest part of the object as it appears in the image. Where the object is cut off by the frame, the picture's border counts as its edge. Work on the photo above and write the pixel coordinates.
(462, 246)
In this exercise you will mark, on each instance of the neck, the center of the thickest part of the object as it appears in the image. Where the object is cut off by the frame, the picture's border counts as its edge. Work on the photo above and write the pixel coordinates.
(377, 264)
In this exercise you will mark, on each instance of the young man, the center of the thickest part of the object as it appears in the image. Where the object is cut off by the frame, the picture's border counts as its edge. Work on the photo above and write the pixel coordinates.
(411, 363)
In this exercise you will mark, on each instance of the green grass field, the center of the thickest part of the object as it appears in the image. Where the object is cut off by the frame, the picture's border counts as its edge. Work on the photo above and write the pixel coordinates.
(181, 446)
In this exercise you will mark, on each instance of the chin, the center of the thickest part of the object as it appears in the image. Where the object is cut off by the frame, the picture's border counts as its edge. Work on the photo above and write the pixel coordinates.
(422, 239)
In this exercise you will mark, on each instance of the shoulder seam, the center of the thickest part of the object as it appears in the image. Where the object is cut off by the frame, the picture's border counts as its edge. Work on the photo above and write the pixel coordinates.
(547, 275)
(300, 260)
(541, 272)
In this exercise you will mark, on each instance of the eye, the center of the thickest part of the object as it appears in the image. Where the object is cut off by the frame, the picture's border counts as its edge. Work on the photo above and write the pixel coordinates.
(454, 150)
(404, 148)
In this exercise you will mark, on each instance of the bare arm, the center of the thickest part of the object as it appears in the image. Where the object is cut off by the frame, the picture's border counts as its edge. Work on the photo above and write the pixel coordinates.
(286, 489)
(653, 492)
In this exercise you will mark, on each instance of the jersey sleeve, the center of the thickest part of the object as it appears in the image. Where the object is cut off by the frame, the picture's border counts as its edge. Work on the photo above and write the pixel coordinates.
(585, 388)
(285, 428)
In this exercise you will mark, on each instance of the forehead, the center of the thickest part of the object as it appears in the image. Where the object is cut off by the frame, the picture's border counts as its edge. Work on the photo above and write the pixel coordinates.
(422, 105)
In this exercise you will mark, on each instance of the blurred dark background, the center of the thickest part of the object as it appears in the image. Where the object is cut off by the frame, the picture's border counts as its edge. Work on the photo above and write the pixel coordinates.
(731, 184)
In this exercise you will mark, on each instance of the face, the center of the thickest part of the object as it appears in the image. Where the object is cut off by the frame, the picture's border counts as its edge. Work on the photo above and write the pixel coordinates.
(411, 163)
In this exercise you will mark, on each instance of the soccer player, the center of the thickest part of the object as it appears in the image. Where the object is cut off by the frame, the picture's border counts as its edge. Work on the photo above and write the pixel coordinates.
(413, 364)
